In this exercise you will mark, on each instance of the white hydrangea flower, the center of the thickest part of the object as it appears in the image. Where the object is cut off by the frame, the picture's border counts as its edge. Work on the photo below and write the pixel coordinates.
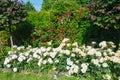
(96, 62)
(14, 46)
(48, 49)
(109, 50)
(98, 54)
(93, 42)
(57, 49)
(75, 44)
(77, 61)
(61, 45)
(82, 53)
(14, 56)
(83, 70)
(7, 60)
(29, 59)
(15, 69)
(68, 67)
(105, 53)
(10, 52)
(73, 69)
(53, 54)
(35, 55)
(26, 53)
(89, 47)
(70, 72)
(67, 52)
(68, 44)
(104, 65)
(43, 49)
(49, 43)
(91, 52)
(76, 50)
(50, 60)
(69, 62)
(39, 51)
(8, 65)
(118, 77)
(20, 59)
(115, 59)
(21, 54)
(40, 62)
(57, 61)
(112, 44)
(29, 47)
(103, 44)
(62, 51)
(73, 55)
(84, 67)
(44, 61)
(65, 40)
(45, 54)
(101, 60)
(107, 77)
(20, 47)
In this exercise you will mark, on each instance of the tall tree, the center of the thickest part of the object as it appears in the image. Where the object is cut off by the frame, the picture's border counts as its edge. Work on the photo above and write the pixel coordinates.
(105, 13)
(12, 12)
(29, 6)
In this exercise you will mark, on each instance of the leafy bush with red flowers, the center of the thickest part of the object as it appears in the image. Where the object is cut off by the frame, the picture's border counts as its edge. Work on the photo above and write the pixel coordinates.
(71, 24)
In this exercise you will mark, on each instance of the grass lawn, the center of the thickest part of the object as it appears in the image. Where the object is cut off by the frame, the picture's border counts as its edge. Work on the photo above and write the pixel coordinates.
(33, 76)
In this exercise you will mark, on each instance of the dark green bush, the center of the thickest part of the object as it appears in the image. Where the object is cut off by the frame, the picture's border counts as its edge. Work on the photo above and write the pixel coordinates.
(105, 13)
(104, 18)
(22, 34)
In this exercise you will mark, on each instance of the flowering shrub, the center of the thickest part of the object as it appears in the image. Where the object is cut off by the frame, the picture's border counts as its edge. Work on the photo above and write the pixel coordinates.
(72, 24)
(68, 57)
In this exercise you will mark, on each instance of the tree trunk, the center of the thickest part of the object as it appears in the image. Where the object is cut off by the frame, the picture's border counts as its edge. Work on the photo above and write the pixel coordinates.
(11, 40)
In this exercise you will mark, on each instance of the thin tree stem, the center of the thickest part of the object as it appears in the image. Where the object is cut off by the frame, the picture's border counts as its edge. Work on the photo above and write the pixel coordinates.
(11, 40)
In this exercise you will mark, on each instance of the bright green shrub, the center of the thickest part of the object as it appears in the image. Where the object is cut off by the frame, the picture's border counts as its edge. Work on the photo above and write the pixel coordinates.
(71, 24)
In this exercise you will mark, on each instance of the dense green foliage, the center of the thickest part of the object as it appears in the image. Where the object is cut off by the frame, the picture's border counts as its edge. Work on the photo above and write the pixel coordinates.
(84, 3)
(59, 6)
(59, 19)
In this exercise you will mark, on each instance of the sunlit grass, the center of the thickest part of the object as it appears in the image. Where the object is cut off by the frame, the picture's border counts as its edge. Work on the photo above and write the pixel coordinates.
(34, 76)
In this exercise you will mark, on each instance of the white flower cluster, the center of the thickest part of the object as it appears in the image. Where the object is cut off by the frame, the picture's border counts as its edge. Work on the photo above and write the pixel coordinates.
(73, 53)
(84, 67)
(107, 77)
